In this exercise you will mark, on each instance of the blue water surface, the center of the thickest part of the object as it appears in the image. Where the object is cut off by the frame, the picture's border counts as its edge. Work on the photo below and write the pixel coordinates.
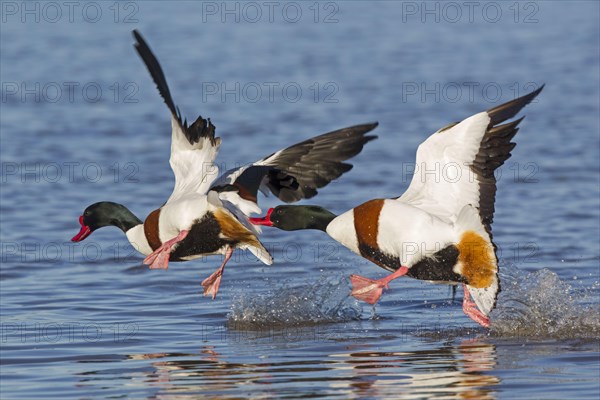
(81, 121)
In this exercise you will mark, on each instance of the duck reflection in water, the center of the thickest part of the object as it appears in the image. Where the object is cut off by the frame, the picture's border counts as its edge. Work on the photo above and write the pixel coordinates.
(459, 370)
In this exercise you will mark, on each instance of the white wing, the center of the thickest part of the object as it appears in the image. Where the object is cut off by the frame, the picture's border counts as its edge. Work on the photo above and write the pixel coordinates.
(443, 181)
(455, 166)
(192, 160)
(194, 147)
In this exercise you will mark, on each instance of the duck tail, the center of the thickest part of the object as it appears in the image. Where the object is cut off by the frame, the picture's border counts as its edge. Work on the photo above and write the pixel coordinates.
(477, 259)
(260, 252)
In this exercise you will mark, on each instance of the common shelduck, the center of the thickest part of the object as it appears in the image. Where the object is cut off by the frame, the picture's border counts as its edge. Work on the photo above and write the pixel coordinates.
(439, 230)
(205, 215)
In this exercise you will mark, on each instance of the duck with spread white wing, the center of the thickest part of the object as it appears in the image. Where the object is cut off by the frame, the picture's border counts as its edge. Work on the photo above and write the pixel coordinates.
(440, 229)
(205, 215)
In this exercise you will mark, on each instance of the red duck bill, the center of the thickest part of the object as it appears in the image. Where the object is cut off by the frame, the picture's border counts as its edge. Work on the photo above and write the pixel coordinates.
(266, 220)
(84, 232)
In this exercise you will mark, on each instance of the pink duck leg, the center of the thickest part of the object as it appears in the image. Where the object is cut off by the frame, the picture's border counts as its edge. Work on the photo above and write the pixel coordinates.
(470, 308)
(370, 290)
(159, 258)
(212, 283)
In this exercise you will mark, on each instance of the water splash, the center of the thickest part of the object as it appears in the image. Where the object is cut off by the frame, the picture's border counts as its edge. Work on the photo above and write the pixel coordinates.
(531, 305)
(325, 301)
(541, 305)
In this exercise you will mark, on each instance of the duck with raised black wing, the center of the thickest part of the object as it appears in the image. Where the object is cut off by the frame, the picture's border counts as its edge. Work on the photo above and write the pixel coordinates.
(205, 215)
(439, 230)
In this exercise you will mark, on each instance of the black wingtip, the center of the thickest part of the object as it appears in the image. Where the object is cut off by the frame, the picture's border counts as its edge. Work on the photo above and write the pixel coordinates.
(495, 149)
(369, 126)
(137, 36)
(314, 162)
(155, 71)
(361, 129)
(509, 109)
(201, 128)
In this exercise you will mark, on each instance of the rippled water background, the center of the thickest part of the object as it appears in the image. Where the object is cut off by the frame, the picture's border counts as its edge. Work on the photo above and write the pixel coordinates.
(82, 122)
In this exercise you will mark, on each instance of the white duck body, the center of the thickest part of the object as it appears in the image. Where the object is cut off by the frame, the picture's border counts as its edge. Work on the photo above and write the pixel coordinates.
(137, 239)
(403, 231)
(175, 216)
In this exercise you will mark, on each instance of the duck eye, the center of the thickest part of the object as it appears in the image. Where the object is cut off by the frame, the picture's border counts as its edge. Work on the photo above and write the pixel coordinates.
(87, 213)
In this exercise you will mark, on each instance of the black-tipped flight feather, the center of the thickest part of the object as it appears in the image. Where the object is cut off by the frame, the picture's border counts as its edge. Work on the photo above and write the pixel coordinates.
(449, 148)
(297, 172)
(201, 128)
(495, 149)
